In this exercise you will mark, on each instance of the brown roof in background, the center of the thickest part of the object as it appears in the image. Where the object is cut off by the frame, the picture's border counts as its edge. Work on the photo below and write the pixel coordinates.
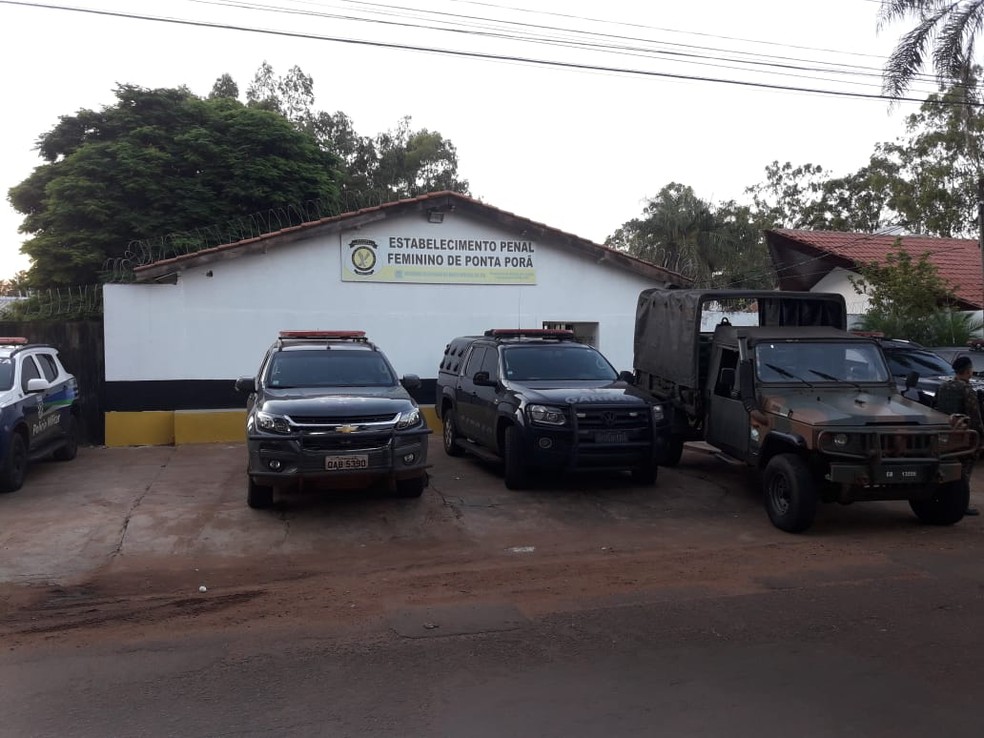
(803, 258)
(448, 201)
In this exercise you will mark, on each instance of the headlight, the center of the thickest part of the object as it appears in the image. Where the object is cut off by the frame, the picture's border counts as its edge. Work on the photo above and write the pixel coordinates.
(547, 415)
(659, 414)
(408, 419)
(272, 423)
(841, 440)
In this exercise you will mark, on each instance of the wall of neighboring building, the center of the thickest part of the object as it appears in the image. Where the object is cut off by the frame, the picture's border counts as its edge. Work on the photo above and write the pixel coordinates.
(174, 350)
(839, 280)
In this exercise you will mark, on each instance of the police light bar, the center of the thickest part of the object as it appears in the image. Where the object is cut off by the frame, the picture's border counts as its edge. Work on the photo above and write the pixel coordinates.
(12, 341)
(338, 335)
(868, 334)
(558, 333)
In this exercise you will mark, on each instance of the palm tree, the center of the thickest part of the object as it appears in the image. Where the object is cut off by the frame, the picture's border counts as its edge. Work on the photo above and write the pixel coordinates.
(947, 28)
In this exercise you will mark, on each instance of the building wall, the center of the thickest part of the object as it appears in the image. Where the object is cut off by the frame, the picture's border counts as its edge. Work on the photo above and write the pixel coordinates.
(839, 280)
(178, 347)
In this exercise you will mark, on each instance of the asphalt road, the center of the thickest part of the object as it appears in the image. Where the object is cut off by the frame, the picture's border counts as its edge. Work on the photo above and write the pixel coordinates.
(586, 607)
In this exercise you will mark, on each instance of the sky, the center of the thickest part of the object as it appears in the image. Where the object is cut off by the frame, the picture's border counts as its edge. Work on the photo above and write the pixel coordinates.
(569, 113)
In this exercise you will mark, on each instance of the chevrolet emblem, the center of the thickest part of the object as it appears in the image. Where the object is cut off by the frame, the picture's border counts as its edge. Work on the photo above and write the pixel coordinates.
(347, 428)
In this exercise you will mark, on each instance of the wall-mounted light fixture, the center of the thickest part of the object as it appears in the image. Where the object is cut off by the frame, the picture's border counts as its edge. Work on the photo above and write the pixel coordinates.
(436, 213)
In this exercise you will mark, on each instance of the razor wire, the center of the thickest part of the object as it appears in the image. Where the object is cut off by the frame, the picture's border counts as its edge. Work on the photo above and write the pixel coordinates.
(55, 303)
(142, 252)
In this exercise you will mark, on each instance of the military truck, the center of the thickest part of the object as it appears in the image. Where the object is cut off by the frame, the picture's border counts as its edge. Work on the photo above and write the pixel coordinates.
(796, 396)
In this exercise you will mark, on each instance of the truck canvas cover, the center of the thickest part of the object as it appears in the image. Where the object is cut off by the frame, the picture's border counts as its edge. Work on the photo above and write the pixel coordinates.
(668, 322)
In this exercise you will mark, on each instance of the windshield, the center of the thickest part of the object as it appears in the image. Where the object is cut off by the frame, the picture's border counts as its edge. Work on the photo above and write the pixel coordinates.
(329, 368)
(6, 374)
(924, 363)
(571, 362)
(820, 362)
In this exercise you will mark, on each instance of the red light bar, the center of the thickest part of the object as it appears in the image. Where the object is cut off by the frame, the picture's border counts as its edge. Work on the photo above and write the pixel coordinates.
(353, 335)
(529, 332)
(12, 341)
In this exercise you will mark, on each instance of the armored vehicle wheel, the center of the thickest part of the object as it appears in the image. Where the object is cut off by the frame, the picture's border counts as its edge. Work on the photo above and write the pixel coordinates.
(645, 474)
(413, 487)
(946, 506)
(790, 493)
(672, 452)
(451, 447)
(15, 465)
(258, 496)
(71, 447)
(517, 475)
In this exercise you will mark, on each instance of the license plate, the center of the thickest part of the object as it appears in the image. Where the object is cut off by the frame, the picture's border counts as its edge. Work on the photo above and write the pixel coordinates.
(345, 463)
(611, 437)
(902, 475)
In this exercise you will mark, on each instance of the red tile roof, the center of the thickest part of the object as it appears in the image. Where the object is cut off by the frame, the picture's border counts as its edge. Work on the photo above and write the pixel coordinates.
(958, 260)
(599, 252)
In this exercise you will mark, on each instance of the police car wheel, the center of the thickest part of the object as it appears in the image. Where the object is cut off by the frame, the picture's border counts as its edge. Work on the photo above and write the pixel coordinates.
(258, 496)
(71, 447)
(450, 435)
(516, 474)
(14, 466)
(413, 487)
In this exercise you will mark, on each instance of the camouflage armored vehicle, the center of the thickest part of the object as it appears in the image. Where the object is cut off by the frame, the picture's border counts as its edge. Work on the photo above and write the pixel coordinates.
(815, 408)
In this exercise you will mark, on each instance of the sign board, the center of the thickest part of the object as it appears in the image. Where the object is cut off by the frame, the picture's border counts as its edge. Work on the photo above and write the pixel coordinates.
(445, 260)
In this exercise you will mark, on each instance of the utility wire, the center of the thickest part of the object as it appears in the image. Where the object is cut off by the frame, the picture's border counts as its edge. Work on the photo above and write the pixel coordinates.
(486, 56)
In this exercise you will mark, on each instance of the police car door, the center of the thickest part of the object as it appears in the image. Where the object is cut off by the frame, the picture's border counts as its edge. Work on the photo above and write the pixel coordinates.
(37, 415)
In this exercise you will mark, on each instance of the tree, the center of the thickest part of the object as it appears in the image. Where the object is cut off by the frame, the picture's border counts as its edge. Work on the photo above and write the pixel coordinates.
(714, 246)
(908, 298)
(946, 28)
(155, 163)
(392, 165)
(225, 86)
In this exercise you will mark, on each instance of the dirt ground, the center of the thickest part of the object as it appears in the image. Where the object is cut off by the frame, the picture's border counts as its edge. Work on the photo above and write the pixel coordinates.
(116, 544)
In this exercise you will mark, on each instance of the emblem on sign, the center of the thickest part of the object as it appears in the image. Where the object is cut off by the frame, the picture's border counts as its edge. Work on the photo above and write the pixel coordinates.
(362, 254)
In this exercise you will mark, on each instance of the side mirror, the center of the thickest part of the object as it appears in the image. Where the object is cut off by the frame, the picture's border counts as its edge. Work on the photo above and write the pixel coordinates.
(37, 385)
(628, 377)
(911, 380)
(410, 382)
(246, 384)
(482, 379)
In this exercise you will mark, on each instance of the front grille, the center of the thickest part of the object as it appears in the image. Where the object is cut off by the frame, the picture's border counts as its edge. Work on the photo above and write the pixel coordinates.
(342, 419)
(344, 442)
(611, 418)
(907, 444)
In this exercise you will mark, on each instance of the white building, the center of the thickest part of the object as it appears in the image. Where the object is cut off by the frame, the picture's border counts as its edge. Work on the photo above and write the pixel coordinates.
(413, 274)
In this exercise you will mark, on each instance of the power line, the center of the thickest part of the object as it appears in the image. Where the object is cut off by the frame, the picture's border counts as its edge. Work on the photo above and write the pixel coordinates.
(485, 56)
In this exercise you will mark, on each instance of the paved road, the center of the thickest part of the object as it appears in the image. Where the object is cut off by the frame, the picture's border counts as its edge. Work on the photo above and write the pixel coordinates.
(586, 607)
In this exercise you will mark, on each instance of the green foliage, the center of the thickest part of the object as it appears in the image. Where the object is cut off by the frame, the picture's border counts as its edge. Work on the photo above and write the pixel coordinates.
(395, 164)
(908, 299)
(717, 246)
(157, 162)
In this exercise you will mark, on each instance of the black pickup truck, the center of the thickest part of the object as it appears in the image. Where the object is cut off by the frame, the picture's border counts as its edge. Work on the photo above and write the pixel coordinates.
(537, 399)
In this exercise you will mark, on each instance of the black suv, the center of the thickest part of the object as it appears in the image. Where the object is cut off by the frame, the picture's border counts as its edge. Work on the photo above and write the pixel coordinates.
(919, 371)
(327, 405)
(537, 399)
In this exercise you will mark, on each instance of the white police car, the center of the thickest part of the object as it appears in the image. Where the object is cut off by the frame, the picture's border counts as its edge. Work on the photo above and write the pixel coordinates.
(38, 409)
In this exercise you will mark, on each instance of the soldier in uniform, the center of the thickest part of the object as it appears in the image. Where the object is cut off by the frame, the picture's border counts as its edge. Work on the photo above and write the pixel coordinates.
(956, 396)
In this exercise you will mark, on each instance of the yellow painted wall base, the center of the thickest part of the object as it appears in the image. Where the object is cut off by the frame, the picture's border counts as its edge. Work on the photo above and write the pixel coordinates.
(178, 427)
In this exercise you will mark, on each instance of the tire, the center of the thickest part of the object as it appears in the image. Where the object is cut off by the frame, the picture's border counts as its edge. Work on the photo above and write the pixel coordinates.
(14, 467)
(71, 447)
(517, 476)
(413, 487)
(947, 505)
(451, 447)
(258, 496)
(645, 474)
(673, 451)
(790, 493)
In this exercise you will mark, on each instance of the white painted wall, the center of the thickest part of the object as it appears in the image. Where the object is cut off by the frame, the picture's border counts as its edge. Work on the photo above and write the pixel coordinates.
(839, 280)
(218, 327)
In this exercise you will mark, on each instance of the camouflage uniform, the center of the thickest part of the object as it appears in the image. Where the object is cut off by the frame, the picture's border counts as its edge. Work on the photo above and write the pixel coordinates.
(955, 396)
